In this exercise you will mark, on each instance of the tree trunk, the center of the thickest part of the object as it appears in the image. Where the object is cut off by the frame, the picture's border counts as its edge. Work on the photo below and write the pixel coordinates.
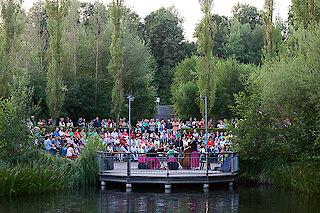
(96, 89)
(54, 120)
(75, 58)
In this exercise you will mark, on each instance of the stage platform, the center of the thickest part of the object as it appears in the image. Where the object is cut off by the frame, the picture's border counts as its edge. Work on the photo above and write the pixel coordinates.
(222, 170)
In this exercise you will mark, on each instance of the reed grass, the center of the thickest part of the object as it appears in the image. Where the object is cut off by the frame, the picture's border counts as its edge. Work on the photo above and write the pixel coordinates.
(50, 173)
(303, 177)
(32, 178)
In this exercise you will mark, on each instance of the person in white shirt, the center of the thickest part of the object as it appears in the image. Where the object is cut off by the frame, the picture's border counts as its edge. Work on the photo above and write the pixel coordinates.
(114, 134)
(61, 132)
(70, 151)
(61, 122)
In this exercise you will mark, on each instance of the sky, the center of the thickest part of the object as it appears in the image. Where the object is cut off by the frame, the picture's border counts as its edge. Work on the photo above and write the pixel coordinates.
(189, 10)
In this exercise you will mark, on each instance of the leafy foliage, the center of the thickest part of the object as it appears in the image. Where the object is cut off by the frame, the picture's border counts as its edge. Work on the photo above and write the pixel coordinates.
(56, 10)
(116, 63)
(14, 139)
(206, 63)
(280, 110)
(163, 32)
(184, 89)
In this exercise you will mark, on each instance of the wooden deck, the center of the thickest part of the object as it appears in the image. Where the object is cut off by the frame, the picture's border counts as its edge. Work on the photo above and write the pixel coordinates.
(120, 174)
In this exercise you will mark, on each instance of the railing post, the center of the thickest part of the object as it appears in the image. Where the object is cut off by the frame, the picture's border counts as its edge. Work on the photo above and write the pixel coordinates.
(100, 161)
(128, 165)
(167, 168)
(232, 161)
(207, 170)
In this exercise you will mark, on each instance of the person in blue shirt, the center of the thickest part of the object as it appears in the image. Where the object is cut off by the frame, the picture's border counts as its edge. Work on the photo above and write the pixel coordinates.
(145, 125)
(49, 145)
(56, 133)
(97, 122)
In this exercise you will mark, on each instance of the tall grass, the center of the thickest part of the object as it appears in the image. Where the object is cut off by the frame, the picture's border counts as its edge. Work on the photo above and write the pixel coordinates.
(32, 178)
(49, 173)
(84, 170)
(304, 177)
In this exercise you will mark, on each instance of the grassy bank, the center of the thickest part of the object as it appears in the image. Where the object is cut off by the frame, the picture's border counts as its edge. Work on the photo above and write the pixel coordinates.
(50, 173)
(304, 177)
(298, 176)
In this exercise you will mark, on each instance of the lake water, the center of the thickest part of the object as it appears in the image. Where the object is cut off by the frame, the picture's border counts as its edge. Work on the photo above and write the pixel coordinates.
(248, 198)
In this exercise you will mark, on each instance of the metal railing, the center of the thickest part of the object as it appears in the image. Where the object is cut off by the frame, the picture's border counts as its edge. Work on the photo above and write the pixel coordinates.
(162, 164)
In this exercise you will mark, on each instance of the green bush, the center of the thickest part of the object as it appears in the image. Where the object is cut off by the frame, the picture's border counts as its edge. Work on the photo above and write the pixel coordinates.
(14, 139)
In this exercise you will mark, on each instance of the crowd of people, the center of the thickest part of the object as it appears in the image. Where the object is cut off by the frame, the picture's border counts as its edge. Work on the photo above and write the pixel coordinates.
(147, 136)
(145, 123)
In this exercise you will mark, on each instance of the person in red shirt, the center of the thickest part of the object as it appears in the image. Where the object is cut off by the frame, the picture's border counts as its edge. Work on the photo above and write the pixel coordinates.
(125, 134)
(123, 141)
(210, 142)
(77, 133)
(132, 135)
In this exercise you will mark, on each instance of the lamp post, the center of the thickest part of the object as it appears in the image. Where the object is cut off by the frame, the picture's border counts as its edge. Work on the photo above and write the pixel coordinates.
(206, 114)
(130, 98)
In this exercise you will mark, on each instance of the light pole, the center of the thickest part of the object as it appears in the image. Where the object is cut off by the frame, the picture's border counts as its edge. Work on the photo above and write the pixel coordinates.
(206, 114)
(130, 98)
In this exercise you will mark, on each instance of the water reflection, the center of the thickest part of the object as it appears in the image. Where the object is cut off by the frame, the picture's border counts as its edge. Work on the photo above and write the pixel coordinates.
(219, 199)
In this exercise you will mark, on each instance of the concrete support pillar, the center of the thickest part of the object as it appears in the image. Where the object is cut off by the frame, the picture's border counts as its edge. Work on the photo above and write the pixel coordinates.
(103, 185)
(167, 188)
(128, 187)
(206, 187)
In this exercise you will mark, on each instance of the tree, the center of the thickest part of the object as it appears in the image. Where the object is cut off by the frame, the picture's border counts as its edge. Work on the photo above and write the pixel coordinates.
(206, 62)
(280, 109)
(184, 89)
(306, 12)
(37, 36)
(56, 10)
(221, 26)
(247, 14)
(117, 55)
(12, 27)
(96, 24)
(273, 37)
(139, 69)
(165, 36)
(290, 87)
(244, 43)
(71, 32)
(14, 139)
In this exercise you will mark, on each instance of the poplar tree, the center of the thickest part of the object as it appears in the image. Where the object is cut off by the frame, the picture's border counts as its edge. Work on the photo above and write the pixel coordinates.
(117, 55)
(306, 11)
(269, 47)
(12, 18)
(56, 10)
(14, 78)
(272, 31)
(205, 32)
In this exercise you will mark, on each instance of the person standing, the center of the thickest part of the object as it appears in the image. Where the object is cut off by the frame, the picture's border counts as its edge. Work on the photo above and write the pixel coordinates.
(175, 126)
(169, 127)
(195, 154)
(152, 126)
(96, 123)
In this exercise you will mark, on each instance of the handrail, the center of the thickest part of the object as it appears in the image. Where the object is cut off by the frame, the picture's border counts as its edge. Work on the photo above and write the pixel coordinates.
(224, 162)
(107, 152)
